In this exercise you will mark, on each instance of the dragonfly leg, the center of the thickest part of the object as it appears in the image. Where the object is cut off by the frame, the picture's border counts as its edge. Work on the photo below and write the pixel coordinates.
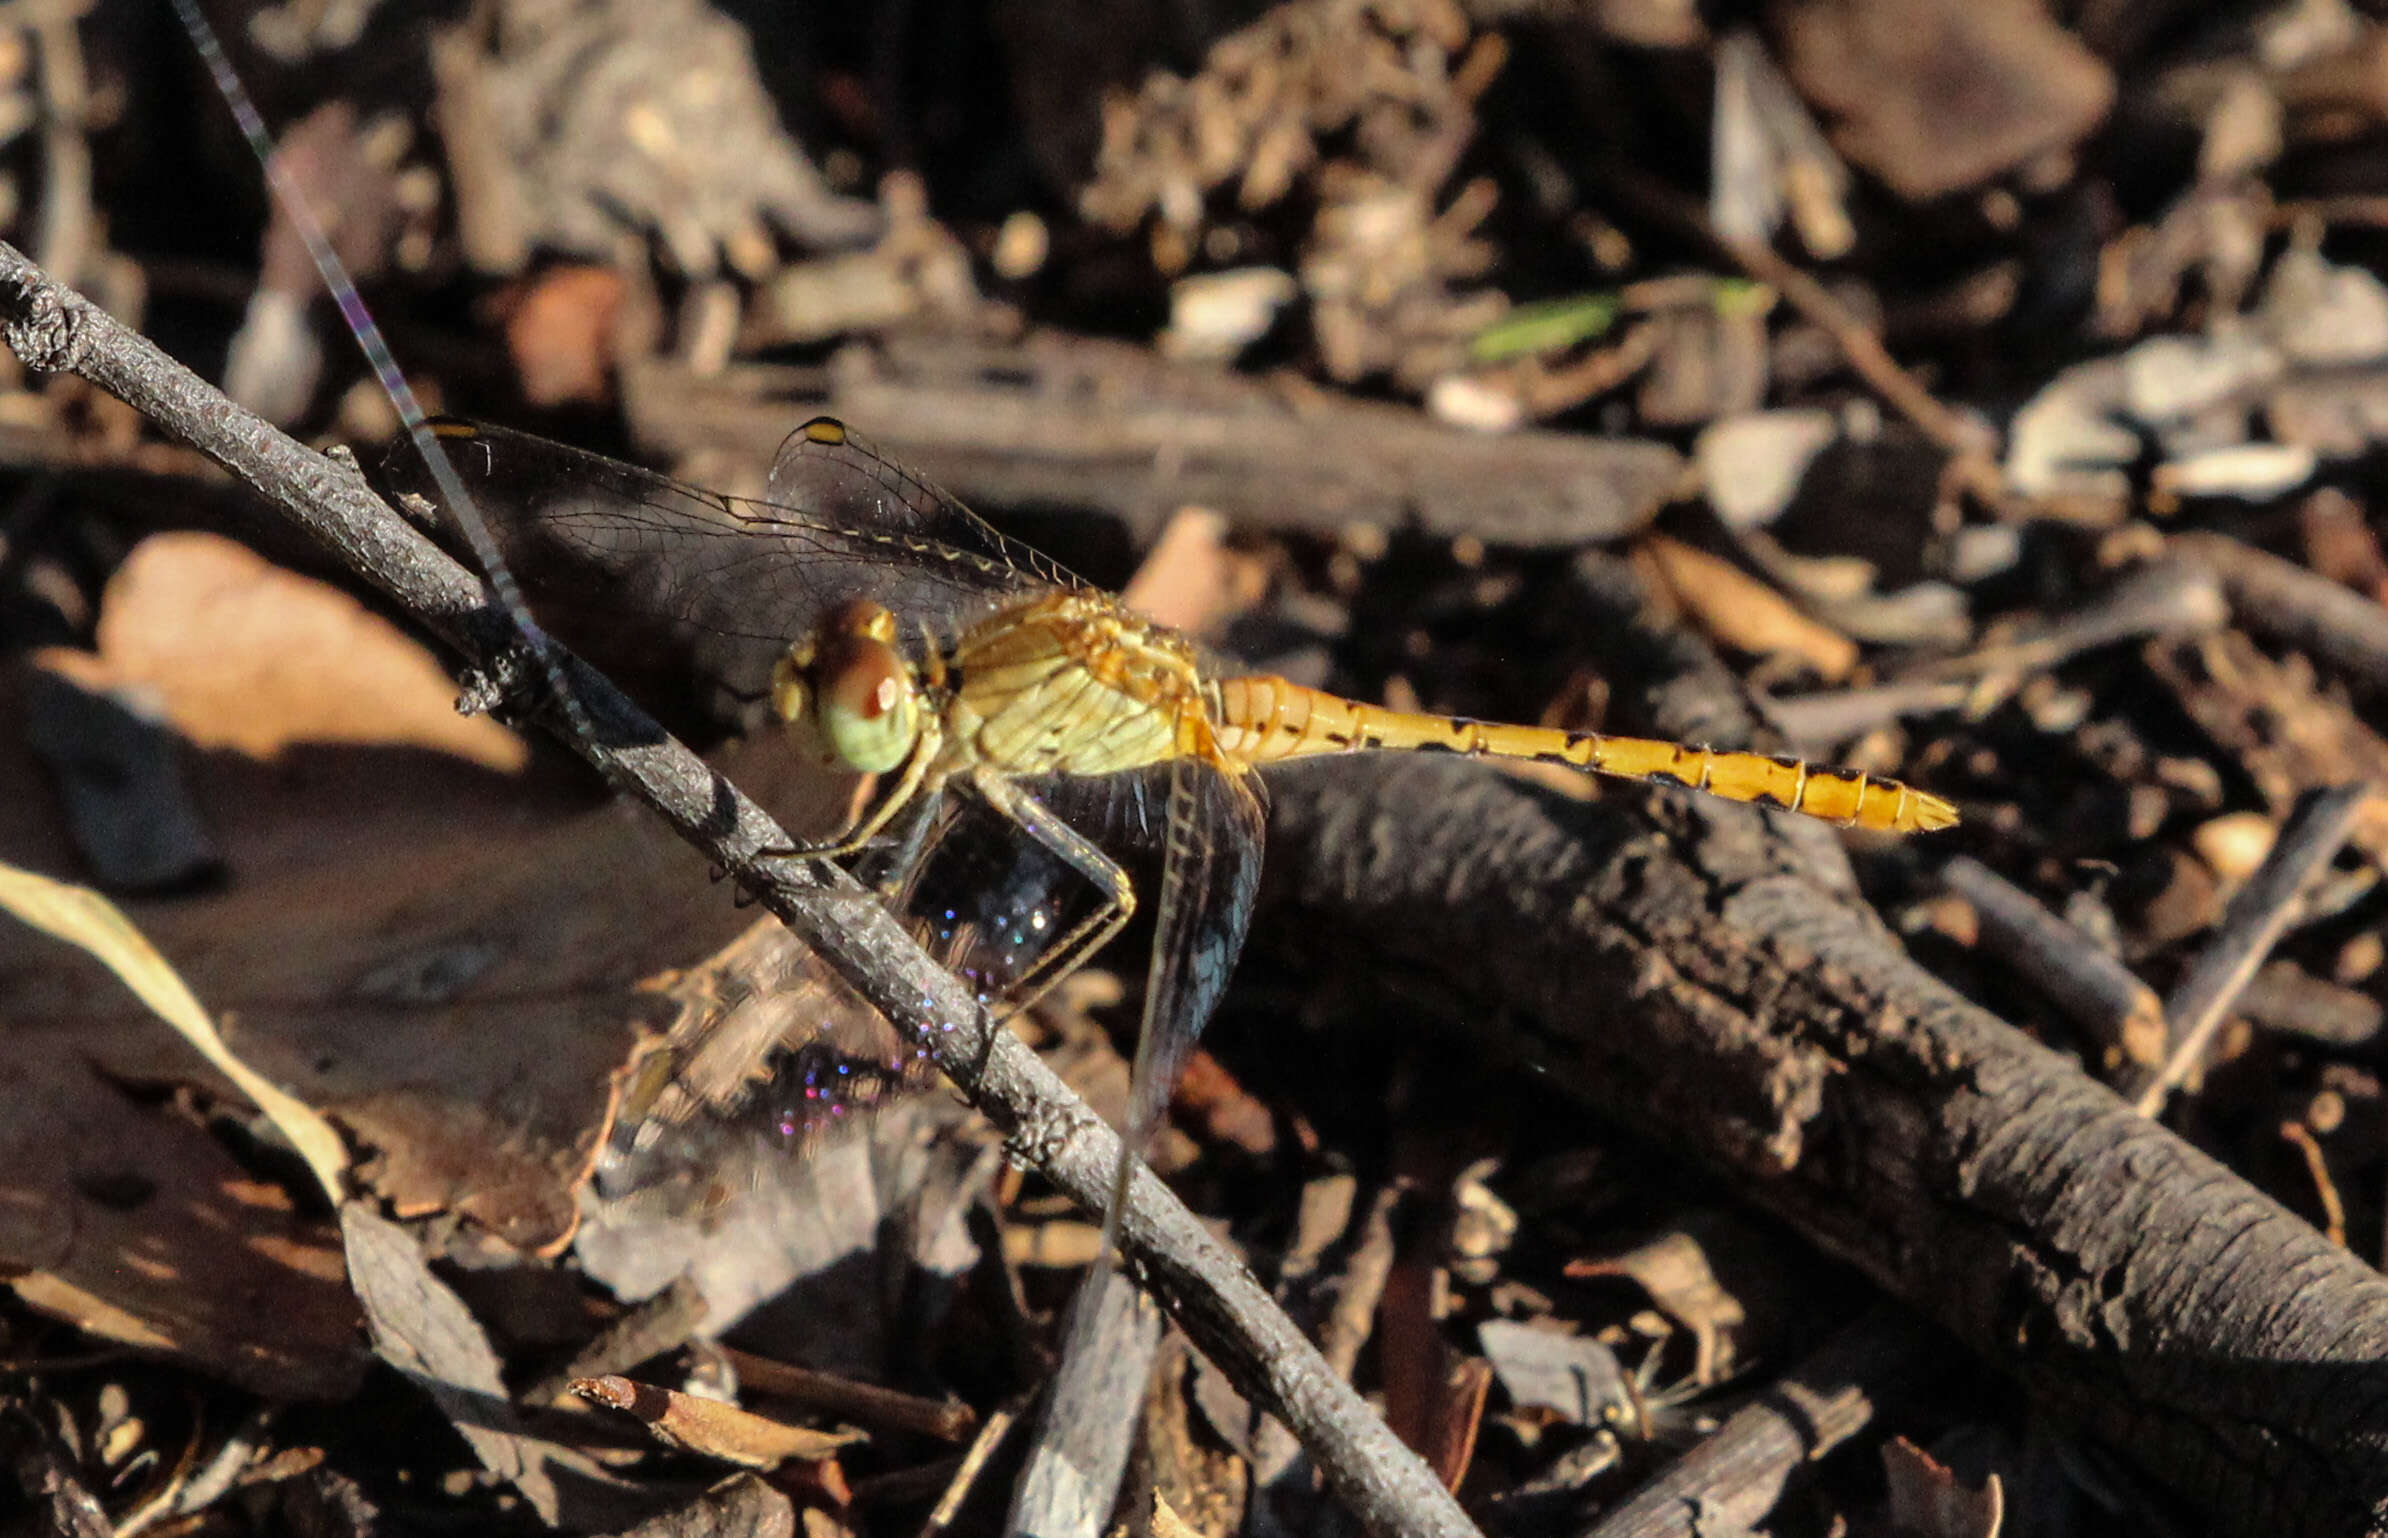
(903, 866)
(1066, 843)
(916, 769)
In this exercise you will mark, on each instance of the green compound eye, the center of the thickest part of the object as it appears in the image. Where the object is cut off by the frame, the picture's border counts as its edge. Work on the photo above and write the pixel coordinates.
(866, 706)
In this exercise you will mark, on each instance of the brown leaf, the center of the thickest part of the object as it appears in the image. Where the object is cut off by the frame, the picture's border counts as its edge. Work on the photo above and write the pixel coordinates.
(1188, 581)
(1675, 1270)
(1745, 613)
(1926, 1499)
(245, 656)
(741, 1506)
(1434, 1396)
(423, 1329)
(1935, 96)
(560, 330)
(136, 1226)
(440, 955)
(711, 1429)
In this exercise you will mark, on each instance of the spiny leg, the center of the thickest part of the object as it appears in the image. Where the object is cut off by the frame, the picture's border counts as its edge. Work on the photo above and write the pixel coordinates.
(911, 847)
(1073, 849)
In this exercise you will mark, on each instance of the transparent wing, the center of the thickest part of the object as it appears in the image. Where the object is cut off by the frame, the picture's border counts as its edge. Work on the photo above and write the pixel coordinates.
(778, 1046)
(1211, 871)
(1000, 911)
(1216, 829)
(995, 908)
(664, 585)
(767, 1043)
(990, 904)
(838, 476)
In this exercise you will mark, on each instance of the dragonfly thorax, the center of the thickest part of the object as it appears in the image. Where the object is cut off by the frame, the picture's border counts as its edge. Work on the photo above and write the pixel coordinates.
(846, 694)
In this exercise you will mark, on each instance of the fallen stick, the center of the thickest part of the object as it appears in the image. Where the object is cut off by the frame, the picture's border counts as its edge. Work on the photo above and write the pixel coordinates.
(2093, 988)
(2296, 607)
(1703, 981)
(1074, 422)
(1731, 1480)
(2251, 926)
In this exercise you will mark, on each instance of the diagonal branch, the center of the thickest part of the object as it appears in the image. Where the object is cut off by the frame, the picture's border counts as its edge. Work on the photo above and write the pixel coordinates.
(1204, 1286)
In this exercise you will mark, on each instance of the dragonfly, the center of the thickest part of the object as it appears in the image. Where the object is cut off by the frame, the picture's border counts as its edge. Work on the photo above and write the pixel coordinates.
(891, 634)
(895, 637)
(1020, 741)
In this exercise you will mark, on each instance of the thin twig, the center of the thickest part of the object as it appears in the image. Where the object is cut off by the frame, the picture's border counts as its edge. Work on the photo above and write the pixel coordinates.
(968, 1469)
(2094, 989)
(2334, 1212)
(1814, 723)
(2166, 598)
(1858, 344)
(64, 235)
(1969, 445)
(1732, 1480)
(1205, 1287)
(2251, 926)
(866, 1404)
(2300, 608)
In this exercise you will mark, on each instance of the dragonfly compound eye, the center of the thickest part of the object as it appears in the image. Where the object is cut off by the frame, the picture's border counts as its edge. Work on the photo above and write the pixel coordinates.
(866, 707)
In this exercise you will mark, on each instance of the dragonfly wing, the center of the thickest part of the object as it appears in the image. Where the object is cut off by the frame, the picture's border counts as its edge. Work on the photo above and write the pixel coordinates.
(991, 903)
(1213, 835)
(785, 1047)
(1001, 910)
(839, 476)
(661, 584)
(1216, 826)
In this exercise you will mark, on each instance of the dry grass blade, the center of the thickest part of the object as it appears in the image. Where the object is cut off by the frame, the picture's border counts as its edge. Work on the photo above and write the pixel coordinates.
(82, 917)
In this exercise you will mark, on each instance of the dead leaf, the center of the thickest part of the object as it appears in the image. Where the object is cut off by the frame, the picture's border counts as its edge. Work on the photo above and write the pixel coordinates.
(741, 1506)
(711, 1429)
(1675, 1270)
(1745, 613)
(1751, 463)
(421, 1327)
(137, 1226)
(1434, 1396)
(736, 1176)
(1934, 98)
(1192, 581)
(439, 956)
(1166, 1523)
(1927, 1500)
(243, 655)
(1572, 1376)
(560, 330)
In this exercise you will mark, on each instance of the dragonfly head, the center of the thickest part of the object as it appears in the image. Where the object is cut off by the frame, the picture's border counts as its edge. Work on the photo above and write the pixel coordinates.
(846, 693)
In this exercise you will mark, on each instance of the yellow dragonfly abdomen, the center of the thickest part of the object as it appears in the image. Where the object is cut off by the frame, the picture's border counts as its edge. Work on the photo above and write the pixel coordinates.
(1262, 719)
